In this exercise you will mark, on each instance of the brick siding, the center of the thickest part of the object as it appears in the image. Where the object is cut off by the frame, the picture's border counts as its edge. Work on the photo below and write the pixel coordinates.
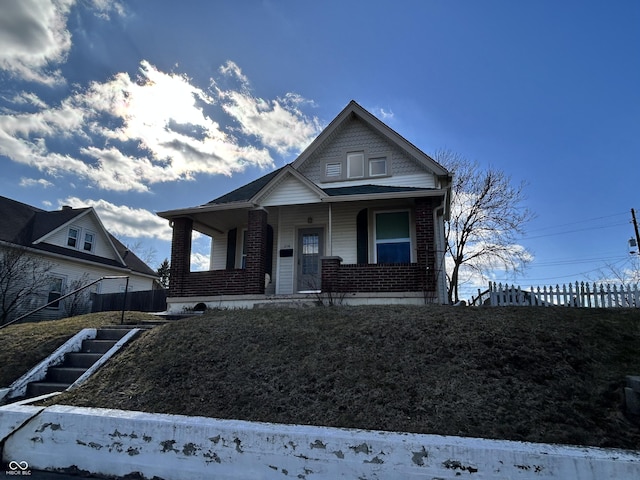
(394, 277)
(215, 282)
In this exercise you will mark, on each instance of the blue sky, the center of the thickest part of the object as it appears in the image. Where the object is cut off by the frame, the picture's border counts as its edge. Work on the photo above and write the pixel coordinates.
(142, 106)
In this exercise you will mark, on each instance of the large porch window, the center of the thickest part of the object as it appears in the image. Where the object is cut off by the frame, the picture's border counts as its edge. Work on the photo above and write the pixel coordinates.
(393, 237)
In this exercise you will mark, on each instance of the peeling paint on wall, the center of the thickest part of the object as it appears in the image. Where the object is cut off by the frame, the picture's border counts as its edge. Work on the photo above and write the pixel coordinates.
(116, 443)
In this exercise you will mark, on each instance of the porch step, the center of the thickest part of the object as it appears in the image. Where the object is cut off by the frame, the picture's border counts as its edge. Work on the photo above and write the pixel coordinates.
(65, 374)
(111, 333)
(81, 359)
(97, 346)
(35, 389)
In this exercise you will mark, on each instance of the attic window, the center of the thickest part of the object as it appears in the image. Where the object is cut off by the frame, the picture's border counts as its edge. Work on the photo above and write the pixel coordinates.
(72, 237)
(377, 167)
(333, 170)
(89, 240)
(355, 165)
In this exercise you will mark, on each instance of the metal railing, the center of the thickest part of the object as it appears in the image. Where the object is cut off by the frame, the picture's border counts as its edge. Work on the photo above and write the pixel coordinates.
(106, 277)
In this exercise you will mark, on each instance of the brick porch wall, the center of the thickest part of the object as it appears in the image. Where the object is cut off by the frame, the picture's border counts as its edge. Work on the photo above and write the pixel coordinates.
(398, 277)
(215, 282)
(369, 278)
(184, 283)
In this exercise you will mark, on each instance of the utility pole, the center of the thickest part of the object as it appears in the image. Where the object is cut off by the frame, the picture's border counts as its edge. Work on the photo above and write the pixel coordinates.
(635, 227)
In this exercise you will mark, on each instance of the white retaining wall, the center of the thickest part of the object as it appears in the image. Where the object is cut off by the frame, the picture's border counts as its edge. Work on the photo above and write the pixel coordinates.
(114, 442)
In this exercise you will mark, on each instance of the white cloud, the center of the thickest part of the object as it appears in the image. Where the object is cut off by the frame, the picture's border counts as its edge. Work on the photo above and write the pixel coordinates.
(28, 98)
(382, 114)
(31, 182)
(125, 139)
(104, 8)
(34, 36)
(121, 220)
(278, 124)
(199, 262)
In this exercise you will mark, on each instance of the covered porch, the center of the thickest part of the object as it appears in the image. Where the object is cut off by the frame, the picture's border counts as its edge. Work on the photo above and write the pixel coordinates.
(362, 251)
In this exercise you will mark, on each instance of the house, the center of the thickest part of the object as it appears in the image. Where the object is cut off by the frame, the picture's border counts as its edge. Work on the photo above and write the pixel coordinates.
(358, 217)
(66, 249)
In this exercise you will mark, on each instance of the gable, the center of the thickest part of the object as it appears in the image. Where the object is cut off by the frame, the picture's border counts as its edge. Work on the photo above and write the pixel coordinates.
(88, 233)
(353, 136)
(288, 190)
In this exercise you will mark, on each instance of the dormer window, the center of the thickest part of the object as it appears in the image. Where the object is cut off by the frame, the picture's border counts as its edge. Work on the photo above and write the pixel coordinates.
(355, 165)
(377, 167)
(81, 239)
(89, 240)
(72, 237)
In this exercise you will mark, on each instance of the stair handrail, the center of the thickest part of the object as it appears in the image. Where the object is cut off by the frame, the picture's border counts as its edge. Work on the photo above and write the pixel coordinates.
(106, 277)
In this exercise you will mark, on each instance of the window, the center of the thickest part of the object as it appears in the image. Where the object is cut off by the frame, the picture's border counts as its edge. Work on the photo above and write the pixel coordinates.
(55, 291)
(355, 165)
(72, 237)
(89, 239)
(393, 237)
(377, 167)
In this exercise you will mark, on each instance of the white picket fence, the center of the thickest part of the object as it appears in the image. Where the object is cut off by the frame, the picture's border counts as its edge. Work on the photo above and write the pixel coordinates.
(578, 294)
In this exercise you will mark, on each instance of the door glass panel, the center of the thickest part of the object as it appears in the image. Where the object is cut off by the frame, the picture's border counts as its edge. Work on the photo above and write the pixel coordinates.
(310, 250)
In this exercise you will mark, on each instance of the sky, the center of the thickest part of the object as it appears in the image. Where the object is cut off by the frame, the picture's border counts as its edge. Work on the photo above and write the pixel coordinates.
(140, 106)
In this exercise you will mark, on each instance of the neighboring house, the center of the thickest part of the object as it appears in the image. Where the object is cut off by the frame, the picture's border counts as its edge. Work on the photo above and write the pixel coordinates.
(75, 247)
(358, 217)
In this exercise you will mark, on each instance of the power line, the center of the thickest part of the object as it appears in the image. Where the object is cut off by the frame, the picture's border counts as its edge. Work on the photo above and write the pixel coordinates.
(573, 275)
(580, 221)
(559, 262)
(574, 231)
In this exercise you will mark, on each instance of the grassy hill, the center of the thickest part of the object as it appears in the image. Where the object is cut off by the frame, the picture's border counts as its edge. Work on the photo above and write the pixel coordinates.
(537, 374)
(24, 345)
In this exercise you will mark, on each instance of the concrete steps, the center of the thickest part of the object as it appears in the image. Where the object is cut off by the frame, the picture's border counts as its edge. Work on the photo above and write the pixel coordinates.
(75, 364)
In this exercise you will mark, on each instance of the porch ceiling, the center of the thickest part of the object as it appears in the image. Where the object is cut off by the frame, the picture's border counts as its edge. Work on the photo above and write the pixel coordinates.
(219, 221)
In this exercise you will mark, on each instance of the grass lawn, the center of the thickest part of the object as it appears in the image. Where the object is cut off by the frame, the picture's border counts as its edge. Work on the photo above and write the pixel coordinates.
(537, 374)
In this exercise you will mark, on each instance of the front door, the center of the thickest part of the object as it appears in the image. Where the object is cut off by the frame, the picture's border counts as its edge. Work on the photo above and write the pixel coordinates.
(310, 249)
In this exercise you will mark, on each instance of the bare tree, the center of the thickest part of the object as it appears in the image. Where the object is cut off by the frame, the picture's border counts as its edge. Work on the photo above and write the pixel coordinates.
(146, 253)
(23, 277)
(78, 303)
(626, 272)
(487, 217)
